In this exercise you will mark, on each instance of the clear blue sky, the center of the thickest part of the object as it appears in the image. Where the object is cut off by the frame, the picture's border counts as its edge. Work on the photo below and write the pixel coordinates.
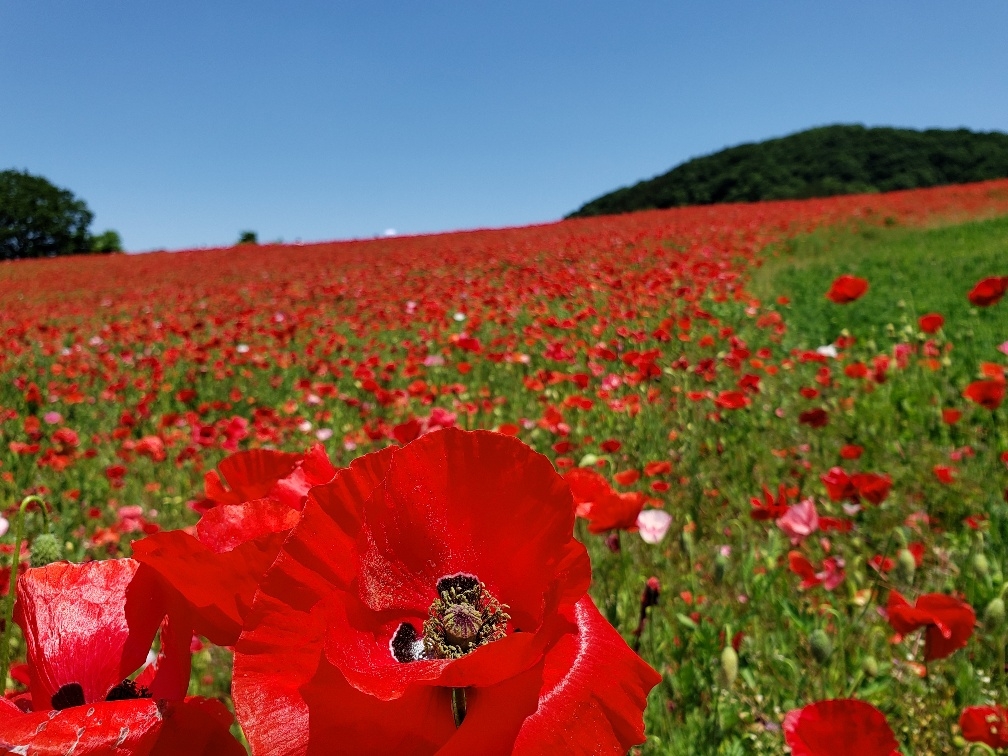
(182, 123)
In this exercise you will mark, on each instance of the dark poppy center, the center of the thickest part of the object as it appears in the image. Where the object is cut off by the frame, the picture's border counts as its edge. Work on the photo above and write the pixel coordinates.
(463, 617)
(72, 694)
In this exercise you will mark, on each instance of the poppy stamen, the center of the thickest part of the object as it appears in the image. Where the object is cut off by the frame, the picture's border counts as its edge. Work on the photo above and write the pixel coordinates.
(463, 617)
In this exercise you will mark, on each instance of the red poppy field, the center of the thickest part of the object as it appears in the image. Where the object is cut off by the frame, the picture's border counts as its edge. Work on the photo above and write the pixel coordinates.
(723, 479)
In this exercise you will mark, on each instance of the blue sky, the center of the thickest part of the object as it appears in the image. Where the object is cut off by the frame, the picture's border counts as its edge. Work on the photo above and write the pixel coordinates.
(183, 123)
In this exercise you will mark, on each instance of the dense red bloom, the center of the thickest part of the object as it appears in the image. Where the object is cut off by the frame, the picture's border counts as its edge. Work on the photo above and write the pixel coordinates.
(948, 620)
(846, 288)
(985, 724)
(446, 564)
(88, 627)
(839, 727)
(931, 322)
(988, 394)
(238, 537)
(988, 291)
(597, 502)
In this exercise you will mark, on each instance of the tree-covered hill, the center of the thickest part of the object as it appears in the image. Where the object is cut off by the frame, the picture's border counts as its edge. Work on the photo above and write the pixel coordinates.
(819, 162)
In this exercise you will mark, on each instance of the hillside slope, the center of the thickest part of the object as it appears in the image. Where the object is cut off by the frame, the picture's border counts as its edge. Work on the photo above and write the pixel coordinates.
(819, 162)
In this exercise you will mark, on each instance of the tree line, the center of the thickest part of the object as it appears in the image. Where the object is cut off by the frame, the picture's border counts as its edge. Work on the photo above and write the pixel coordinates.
(819, 162)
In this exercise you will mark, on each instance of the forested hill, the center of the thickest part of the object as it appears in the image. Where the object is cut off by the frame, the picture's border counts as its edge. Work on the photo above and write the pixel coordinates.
(820, 162)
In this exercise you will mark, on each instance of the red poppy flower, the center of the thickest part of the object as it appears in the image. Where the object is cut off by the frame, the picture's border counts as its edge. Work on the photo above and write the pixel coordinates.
(847, 288)
(985, 724)
(238, 538)
(88, 627)
(872, 486)
(988, 394)
(770, 507)
(838, 484)
(816, 418)
(596, 501)
(988, 291)
(951, 416)
(432, 599)
(948, 620)
(851, 451)
(839, 727)
(931, 322)
(731, 400)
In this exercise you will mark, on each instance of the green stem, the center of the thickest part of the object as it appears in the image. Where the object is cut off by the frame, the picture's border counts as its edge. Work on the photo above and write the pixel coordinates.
(8, 605)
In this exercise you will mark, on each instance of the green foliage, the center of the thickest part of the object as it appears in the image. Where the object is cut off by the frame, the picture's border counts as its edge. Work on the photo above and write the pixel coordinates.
(248, 237)
(107, 241)
(820, 162)
(38, 219)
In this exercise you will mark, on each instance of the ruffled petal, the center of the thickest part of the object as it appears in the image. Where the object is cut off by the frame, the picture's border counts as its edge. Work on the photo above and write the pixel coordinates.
(197, 727)
(86, 624)
(114, 728)
(479, 503)
(219, 587)
(226, 527)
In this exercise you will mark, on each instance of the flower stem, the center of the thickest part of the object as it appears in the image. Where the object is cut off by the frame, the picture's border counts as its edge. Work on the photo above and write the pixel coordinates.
(458, 704)
(8, 605)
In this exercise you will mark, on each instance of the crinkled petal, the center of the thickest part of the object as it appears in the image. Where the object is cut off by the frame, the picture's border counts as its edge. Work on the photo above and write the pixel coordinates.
(90, 624)
(226, 527)
(114, 728)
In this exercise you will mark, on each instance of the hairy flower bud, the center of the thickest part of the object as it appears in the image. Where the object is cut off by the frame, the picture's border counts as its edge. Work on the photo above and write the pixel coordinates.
(822, 647)
(720, 568)
(994, 614)
(45, 549)
(906, 565)
(981, 565)
(869, 666)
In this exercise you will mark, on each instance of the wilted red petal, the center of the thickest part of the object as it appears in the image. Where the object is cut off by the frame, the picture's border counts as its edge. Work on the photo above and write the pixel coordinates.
(839, 727)
(113, 728)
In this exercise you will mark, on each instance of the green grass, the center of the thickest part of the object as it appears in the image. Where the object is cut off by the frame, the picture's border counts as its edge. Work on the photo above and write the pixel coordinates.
(911, 272)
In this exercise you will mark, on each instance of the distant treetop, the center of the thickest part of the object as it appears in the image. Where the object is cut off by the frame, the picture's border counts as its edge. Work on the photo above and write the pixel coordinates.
(819, 162)
(38, 219)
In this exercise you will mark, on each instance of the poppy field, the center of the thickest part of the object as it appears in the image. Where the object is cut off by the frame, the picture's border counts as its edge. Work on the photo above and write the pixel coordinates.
(727, 479)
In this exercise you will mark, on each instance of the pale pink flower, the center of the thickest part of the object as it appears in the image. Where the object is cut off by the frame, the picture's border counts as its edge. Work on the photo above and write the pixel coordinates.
(800, 521)
(653, 524)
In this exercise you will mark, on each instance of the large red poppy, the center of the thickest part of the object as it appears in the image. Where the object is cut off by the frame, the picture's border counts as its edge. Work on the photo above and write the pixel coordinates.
(432, 600)
(88, 627)
(846, 288)
(597, 502)
(988, 291)
(985, 724)
(839, 727)
(949, 622)
(238, 537)
(988, 393)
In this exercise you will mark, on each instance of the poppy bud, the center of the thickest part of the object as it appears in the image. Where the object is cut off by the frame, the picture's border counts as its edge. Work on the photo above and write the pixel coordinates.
(994, 614)
(869, 666)
(588, 460)
(981, 565)
(822, 647)
(612, 542)
(729, 664)
(901, 540)
(720, 568)
(45, 549)
(906, 565)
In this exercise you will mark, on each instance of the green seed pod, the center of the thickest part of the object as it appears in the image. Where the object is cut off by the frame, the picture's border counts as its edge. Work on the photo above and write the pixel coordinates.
(906, 566)
(45, 549)
(994, 614)
(720, 568)
(588, 460)
(981, 565)
(822, 647)
(729, 664)
(869, 666)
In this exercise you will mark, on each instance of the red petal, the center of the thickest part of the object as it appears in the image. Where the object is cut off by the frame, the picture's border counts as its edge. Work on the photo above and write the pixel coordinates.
(839, 728)
(197, 727)
(476, 502)
(953, 623)
(251, 474)
(90, 624)
(225, 527)
(115, 728)
(219, 587)
(985, 724)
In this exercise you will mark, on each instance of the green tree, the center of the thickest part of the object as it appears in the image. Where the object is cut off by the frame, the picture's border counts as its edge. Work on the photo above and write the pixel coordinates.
(248, 237)
(107, 241)
(39, 219)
